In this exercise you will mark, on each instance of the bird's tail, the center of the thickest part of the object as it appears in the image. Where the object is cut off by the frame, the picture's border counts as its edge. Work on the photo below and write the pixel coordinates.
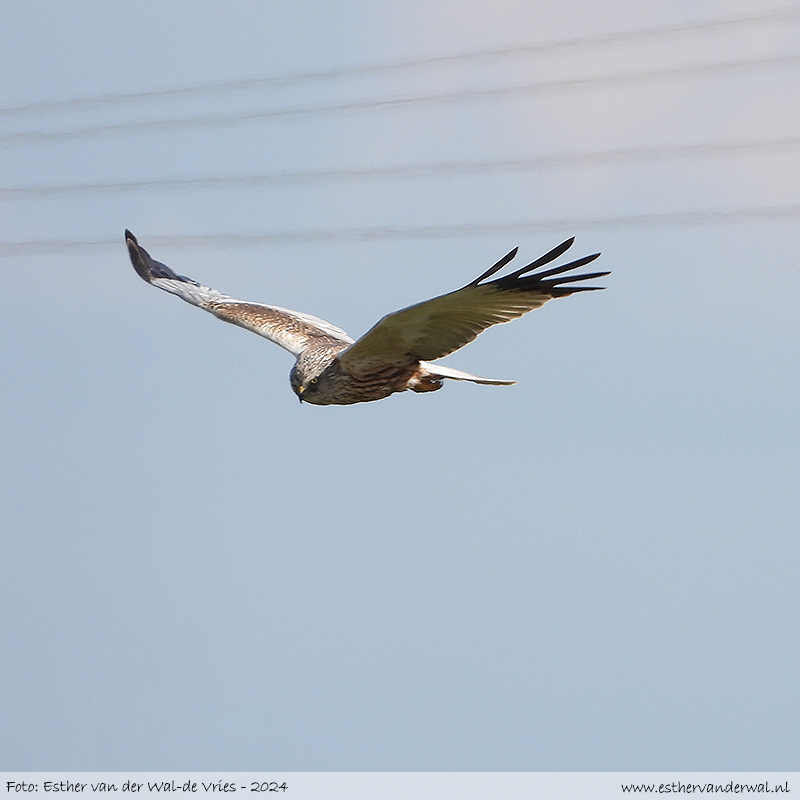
(440, 371)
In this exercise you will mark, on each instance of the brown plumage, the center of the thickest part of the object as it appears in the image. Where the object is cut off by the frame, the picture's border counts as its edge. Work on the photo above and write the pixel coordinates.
(393, 356)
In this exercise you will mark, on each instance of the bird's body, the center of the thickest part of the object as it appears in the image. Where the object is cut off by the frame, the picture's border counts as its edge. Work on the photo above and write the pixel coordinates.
(394, 355)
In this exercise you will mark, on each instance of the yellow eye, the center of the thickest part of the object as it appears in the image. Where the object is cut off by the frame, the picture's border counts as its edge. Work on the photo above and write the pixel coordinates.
(313, 380)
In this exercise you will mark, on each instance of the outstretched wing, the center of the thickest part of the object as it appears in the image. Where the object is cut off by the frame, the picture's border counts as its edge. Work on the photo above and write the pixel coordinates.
(290, 329)
(437, 327)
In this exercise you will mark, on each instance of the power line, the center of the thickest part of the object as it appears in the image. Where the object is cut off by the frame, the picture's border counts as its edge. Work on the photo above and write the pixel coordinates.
(654, 220)
(411, 63)
(666, 73)
(551, 160)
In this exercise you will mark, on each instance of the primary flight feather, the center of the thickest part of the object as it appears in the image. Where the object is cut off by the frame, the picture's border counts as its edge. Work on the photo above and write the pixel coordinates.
(394, 355)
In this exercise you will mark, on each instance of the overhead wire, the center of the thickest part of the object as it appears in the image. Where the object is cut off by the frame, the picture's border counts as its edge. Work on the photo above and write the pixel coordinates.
(702, 150)
(682, 218)
(537, 87)
(524, 49)
(648, 220)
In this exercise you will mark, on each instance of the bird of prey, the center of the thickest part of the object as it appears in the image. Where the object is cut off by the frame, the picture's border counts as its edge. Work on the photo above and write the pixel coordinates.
(395, 354)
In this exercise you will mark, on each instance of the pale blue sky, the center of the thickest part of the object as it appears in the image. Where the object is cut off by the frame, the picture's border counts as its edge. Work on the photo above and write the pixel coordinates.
(595, 569)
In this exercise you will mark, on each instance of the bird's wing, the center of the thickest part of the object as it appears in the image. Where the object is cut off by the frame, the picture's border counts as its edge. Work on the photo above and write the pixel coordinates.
(290, 329)
(436, 327)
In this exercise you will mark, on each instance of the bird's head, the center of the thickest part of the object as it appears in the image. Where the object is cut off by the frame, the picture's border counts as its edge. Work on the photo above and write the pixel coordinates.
(308, 382)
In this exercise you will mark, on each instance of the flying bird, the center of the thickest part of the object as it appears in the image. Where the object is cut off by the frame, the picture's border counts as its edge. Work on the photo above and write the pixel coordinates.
(395, 354)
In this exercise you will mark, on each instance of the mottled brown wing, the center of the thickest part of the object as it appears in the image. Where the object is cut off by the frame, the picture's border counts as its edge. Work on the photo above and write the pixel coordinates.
(437, 327)
(292, 330)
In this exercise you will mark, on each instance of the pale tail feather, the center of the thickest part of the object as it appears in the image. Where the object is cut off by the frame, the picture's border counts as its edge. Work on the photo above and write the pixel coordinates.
(439, 371)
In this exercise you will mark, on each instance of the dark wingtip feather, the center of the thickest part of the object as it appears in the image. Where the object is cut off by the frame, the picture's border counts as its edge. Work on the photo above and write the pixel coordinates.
(140, 258)
(549, 256)
(148, 268)
(526, 280)
(495, 267)
(566, 291)
(589, 276)
(580, 262)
